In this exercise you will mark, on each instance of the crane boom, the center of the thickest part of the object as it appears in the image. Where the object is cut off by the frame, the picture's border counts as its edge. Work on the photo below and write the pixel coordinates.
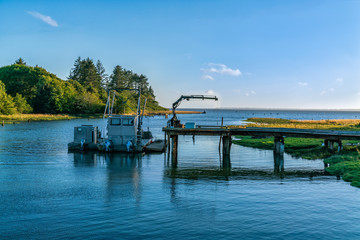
(174, 121)
(188, 97)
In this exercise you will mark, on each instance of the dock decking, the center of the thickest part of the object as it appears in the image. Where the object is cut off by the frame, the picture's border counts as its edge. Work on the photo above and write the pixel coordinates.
(330, 136)
(267, 132)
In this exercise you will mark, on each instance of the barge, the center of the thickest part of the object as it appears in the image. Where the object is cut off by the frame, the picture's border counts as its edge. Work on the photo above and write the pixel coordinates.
(124, 133)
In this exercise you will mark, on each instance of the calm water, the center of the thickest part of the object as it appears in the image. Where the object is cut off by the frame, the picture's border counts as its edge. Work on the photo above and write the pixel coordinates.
(48, 193)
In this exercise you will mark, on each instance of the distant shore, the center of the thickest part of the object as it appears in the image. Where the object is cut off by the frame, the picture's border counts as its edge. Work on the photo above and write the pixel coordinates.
(169, 112)
(10, 119)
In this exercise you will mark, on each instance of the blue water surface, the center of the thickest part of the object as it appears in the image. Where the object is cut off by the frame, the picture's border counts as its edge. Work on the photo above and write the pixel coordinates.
(48, 193)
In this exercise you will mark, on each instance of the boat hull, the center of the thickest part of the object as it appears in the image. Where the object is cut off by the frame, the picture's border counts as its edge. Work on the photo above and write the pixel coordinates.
(75, 146)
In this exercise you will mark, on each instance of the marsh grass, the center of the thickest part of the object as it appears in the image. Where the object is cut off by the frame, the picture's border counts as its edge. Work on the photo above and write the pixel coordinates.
(34, 117)
(336, 124)
(345, 163)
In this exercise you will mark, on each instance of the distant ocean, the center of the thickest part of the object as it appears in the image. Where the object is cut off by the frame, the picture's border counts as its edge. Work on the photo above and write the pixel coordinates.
(286, 114)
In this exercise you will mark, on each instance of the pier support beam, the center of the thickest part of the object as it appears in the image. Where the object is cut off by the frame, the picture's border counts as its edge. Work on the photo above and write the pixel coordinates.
(340, 146)
(326, 143)
(226, 140)
(330, 144)
(174, 150)
(279, 145)
(226, 145)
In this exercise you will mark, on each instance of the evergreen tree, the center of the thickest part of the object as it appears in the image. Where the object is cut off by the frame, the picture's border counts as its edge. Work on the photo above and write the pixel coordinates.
(151, 92)
(118, 79)
(20, 61)
(75, 71)
(101, 72)
(86, 73)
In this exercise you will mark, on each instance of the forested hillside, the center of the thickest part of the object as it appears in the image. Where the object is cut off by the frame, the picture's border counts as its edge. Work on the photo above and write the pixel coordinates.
(27, 89)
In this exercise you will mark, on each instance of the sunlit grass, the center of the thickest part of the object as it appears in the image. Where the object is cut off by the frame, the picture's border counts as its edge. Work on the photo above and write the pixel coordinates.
(337, 124)
(34, 117)
(51, 117)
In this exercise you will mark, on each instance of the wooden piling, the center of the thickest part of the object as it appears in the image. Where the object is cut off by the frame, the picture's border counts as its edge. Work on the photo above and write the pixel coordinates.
(3, 123)
(226, 145)
(168, 144)
(340, 146)
(222, 123)
(226, 162)
(174, 151)
(279, 145)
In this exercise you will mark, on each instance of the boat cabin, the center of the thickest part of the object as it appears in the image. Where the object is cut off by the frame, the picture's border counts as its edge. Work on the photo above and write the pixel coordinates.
(122, 128)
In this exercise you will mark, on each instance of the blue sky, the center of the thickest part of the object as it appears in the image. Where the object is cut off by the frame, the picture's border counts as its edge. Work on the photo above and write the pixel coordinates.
(251, 54)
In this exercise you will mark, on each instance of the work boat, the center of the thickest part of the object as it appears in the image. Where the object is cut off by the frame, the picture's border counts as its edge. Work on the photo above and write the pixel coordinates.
(123, 133)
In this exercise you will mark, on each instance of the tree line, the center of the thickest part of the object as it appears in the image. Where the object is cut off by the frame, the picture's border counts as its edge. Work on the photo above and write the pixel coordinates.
(27, 89)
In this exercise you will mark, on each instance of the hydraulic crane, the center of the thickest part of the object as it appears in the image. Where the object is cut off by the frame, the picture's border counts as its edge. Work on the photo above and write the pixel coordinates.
(174, 122)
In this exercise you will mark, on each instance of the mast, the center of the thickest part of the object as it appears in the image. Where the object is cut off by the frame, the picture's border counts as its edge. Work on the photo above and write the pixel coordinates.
(139, 133)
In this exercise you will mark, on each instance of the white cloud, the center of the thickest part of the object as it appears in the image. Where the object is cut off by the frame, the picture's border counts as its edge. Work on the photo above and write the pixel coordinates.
(207, 77)
(252, 92)
(303, 84)
(211, 92)
(323, 92)
(46, 19)
(339, 80)
(221, 69)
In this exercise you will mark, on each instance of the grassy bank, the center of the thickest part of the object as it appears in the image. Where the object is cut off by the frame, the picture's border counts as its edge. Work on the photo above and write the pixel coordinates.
(10, 119)
(336, 124)
(345, 163)
(34, 117)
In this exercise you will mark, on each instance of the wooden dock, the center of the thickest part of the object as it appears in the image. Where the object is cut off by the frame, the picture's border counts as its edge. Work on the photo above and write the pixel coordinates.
(330, 137)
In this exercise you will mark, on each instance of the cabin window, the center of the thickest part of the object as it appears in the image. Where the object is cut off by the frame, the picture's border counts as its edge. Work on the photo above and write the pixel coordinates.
(128, 122)
(79, 129)
(115, 121)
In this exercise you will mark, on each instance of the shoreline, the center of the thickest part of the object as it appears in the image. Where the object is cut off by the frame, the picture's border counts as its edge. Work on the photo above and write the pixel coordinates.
(169, 112)
(13, 118)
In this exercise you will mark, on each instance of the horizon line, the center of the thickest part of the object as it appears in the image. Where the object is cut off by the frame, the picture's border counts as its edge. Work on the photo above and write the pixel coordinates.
(279, 109)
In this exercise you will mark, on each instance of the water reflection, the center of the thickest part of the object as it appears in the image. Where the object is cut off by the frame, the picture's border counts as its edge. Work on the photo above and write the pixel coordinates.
(226, 172)
(278, 163)
(85, 159)
(123, 178)
(237, 173)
